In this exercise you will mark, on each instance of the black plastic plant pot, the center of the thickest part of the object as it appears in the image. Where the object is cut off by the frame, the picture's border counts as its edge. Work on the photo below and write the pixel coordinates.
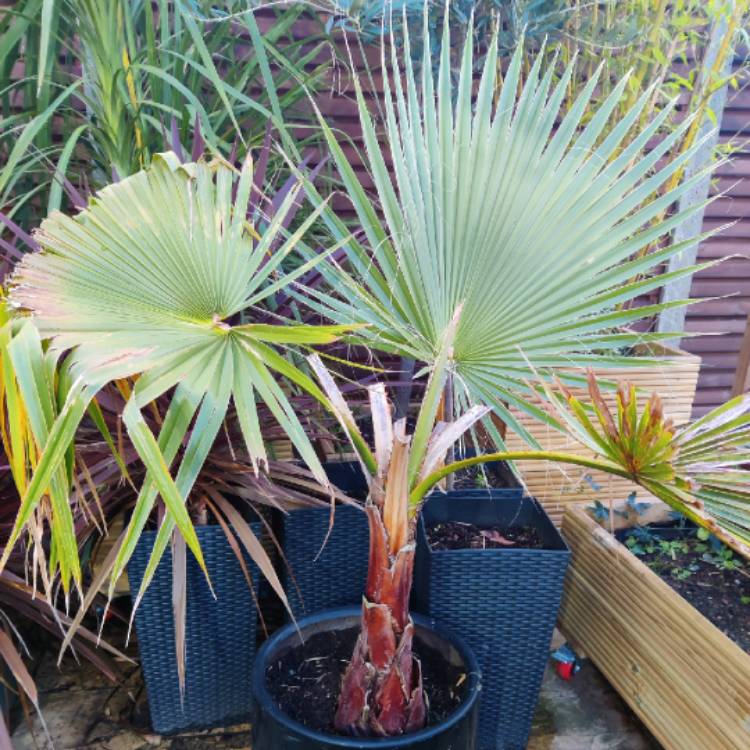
(327, 573)
(502, 602)
(272, 729)
(219, 642)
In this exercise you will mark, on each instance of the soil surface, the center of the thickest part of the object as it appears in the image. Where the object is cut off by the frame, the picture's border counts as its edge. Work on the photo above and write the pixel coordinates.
(707, 574)
(458, 535)
(305, 682)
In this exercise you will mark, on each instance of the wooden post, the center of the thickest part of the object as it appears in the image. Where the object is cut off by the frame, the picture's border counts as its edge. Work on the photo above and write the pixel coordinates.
(742, 376)
(672, 320)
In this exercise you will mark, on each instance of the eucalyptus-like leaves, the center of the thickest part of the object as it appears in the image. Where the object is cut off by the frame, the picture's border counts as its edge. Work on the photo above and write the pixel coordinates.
(156, 283)
(495, 197)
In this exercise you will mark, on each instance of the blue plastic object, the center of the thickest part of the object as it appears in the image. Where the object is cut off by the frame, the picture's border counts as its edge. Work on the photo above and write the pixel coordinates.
(220, 636)
(502, 602)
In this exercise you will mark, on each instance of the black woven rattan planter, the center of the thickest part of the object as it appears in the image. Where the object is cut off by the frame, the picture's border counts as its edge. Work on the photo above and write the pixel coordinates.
(334, 577)
(503, 603)
(273, 730)
(220, 636)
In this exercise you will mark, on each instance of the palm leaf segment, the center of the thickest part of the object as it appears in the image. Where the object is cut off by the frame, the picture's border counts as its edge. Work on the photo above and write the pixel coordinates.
(155, 279)
(527, 216)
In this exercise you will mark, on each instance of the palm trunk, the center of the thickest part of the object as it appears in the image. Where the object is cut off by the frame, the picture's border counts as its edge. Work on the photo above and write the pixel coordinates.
(381, 692)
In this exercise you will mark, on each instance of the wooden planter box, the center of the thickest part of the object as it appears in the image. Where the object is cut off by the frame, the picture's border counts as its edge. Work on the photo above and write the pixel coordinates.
(557, 486)
(686, 680)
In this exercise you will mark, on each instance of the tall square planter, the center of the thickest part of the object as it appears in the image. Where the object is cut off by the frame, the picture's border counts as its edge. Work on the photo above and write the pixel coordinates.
(220, 636)
(327, 574)
(502, 602)
(686, 680)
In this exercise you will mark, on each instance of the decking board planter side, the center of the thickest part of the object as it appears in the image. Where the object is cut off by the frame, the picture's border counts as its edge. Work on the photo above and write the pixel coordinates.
(686, 680)
(557, 487)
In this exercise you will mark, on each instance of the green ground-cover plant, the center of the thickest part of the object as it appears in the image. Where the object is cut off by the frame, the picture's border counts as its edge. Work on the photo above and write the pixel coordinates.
(666, 553)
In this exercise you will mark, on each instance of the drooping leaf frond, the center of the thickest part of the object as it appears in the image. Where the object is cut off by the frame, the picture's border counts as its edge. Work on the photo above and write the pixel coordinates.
(158, 280)
(700, 470)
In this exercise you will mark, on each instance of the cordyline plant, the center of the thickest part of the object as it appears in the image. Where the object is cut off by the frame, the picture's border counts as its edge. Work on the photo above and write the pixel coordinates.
(696, 470)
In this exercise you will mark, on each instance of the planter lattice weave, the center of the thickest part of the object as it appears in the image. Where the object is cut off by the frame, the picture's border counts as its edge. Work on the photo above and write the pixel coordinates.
(220, 636)
(502, 602)
(331, 577)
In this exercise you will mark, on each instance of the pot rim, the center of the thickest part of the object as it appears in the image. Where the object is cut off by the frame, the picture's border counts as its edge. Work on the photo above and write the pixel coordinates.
(263, 698)
(560, 545)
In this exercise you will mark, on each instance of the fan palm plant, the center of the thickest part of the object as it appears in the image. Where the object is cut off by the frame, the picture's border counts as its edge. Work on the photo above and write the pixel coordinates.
(158, 287)
(530, 217)
(696, 470)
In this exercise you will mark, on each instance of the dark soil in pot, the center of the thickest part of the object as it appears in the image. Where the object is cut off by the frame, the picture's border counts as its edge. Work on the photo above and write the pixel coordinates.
(703, 571)
(459, 535)
(305, 681)
(309, 658)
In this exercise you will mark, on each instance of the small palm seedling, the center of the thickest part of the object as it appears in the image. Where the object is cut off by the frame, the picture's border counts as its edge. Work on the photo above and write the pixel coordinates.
(695, 470)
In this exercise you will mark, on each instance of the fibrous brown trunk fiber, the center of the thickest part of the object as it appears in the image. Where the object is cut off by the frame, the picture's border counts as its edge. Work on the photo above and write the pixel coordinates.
(381, 692)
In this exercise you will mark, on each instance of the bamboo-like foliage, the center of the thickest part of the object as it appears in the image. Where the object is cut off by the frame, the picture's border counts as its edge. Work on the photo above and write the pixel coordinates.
(158, 279)
(106, 85)
(527, 216)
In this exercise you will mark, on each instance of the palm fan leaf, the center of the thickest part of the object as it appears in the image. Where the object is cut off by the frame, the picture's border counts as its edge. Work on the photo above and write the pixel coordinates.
(157, 280)
(532, 219)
